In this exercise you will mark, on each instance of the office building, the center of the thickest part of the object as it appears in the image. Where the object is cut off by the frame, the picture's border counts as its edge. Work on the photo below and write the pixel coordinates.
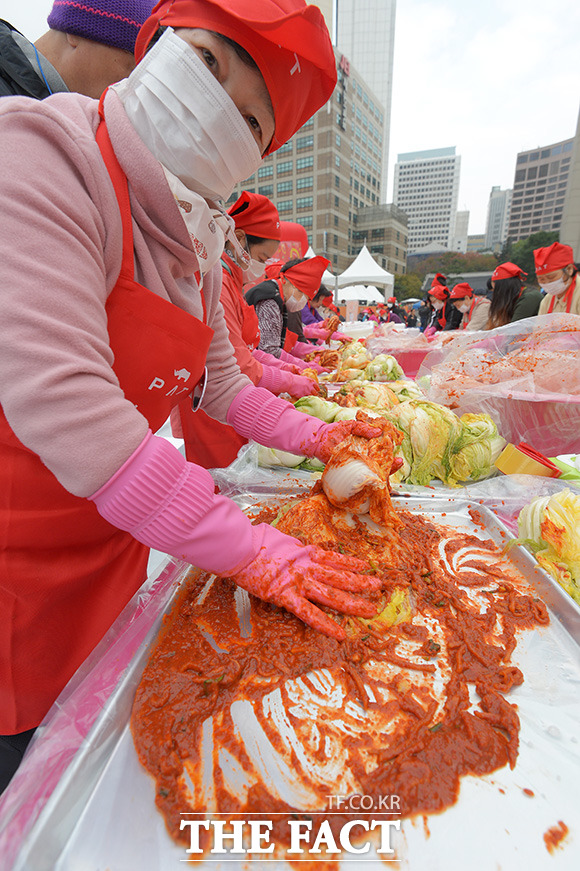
(365, 32)
(540, 183)
(498, 213)
(461, 230)
(570, 227)
(329, 169)
(426, 188)
(384, 231)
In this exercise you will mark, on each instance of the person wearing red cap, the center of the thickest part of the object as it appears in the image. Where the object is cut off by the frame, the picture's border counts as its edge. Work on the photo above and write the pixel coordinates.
(287, 289)
(444, 314)
(511, 300)
(474, 309)
(208, 442)
(113, 228)
(556, 274)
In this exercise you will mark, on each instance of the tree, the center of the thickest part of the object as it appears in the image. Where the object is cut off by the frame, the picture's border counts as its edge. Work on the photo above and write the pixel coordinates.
(454, 263)
(523, 251)
(408, 285)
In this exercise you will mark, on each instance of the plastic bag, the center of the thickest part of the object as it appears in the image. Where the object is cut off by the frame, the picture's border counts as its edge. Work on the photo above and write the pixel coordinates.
(525, 375)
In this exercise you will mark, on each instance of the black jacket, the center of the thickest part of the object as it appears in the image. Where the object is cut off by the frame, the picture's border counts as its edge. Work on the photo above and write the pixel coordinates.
(17, 75)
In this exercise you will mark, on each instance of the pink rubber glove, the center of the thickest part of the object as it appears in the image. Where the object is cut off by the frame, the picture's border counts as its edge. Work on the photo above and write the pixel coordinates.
(269, 360)
(294, 577)
(430, 331)
(302, 349)
(294, 361)
(278, 381)
(340, 337)
(169, 504)
(258, 415)
(315, 331)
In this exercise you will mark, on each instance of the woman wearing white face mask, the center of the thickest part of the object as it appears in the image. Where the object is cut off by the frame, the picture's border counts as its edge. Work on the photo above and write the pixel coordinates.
(474, 309)
(207, 441)
(110, 315)
(556, 273)
(287, 289)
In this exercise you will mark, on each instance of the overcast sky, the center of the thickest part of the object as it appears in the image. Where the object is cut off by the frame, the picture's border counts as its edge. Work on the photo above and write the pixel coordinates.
(492, 78)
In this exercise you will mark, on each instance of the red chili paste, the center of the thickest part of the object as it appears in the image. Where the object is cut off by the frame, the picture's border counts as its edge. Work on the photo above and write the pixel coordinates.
(425, 741)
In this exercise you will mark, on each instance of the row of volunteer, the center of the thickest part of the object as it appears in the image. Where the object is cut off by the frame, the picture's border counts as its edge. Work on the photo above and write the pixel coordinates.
(511, 300)
(110, 317)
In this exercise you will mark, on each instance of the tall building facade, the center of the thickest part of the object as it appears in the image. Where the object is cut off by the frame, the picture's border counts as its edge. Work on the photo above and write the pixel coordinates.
(498, 213)
(540, 184)
(329, 169)
(427, 188)
(570, 227)
(384, 231)
(365, 32)
(461, 231)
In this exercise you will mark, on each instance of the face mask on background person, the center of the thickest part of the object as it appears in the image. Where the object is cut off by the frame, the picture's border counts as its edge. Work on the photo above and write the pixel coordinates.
(555, 288)
(254, 271)
(464, 307)
(296, 303)
(438, 304)
(187, 120)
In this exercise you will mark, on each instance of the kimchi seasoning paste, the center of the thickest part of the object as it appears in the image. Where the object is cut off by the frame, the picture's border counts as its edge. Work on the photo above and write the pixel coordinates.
(387, 712)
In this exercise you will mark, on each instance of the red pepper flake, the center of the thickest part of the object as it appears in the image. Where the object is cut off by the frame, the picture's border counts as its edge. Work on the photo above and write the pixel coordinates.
(529, 792)
(555, 835)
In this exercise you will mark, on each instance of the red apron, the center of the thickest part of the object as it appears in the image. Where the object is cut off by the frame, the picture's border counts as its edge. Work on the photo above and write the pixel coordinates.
(208, 442)
(66, 573)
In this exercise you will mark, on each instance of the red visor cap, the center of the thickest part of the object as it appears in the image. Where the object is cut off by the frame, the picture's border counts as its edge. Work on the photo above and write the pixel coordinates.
(508, 270)
(439, 292)
(438, 280)
(288, 40)
(460, 291)
(307, 276)
(555, 256)
(256, 215)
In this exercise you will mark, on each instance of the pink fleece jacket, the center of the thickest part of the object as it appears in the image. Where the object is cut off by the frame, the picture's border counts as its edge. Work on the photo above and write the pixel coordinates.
(60, 255)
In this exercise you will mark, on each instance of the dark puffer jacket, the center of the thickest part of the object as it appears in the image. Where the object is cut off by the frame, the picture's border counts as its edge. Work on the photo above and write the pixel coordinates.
(17, 74)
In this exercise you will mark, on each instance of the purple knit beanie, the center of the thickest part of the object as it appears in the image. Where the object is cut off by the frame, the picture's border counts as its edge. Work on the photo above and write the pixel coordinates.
(112, 22)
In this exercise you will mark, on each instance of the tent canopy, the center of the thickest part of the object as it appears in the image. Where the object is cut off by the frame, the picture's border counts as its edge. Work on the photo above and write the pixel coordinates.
(365, 270)
(366, 294)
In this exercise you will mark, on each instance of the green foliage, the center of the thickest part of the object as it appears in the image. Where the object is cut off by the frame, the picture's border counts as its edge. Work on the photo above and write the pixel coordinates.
(408, 285)
(522, 252)
(454, 263)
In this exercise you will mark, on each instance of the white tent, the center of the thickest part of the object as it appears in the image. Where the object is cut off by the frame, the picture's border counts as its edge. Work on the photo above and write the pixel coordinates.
(364, 294)
(365, 270)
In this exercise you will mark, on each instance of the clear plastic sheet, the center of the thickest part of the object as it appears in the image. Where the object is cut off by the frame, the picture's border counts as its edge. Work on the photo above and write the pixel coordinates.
(82, 788)
(409, 346)
(102, 813)
(525, 375)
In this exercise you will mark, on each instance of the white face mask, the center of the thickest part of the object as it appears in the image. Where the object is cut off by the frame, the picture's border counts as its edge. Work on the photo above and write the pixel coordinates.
(187, 120)
(465, 307)
(254, 271)
(555, 288)
(296, 304)
(438, 304)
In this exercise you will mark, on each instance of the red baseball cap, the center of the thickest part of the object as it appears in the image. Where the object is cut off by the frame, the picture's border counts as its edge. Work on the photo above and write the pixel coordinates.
(306, 276)
(392, 299)
(256, 215)
(287, 39)
(555, 256)
(508, 270)
(460, 291)
(439, 291)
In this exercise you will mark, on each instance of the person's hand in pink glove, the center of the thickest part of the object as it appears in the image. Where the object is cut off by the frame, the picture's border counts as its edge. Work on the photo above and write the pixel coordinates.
(429, 332)
(299, 578)
(331, 434)
(290, 367)
(303, 386)
(340, 337)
